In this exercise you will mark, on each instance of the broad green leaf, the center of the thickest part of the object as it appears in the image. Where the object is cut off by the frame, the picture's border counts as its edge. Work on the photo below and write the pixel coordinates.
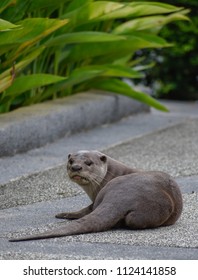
(32, 30)
(113, 10)
(147, 40)
(6, 25)
(118, 86)
(83, 37)
(75, 78)
(121, 71)
(116, 49)
(88, 73)
(28, 82)
(81, 75)
(151, 23)
(45, 27)
(105, 10)
(90, 10)
(110, 71)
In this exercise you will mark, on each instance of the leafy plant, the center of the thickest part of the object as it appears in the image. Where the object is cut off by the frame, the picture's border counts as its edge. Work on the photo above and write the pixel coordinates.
(175, 73)
(51, 49)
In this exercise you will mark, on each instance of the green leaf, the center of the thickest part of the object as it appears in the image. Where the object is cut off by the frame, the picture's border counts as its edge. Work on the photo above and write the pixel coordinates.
(28, 82)
(77, 76)
(32, 30)
(6, 25)
(83, 37)
(87, 73)
(106, 10)
(110, 71)
(116, 49)
(121, 71)
(118, 86)
(151, 23)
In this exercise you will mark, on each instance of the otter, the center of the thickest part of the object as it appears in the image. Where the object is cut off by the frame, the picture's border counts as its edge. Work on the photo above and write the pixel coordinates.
(120, 195)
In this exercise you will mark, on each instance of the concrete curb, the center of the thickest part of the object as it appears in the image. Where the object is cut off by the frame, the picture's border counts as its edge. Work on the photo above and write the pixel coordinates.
(35, 126)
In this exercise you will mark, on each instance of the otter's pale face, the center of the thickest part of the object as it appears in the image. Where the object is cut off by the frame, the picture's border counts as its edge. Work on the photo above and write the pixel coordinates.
(84, 167)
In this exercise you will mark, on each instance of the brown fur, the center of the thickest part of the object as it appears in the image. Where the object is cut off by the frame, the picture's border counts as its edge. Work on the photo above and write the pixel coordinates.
(120, 195)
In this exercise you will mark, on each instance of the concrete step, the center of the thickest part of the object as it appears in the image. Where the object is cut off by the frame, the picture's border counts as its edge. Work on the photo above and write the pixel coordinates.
(32, 127)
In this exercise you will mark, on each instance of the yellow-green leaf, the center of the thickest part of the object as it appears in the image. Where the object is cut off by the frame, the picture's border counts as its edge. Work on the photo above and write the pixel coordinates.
(83, 37)
(6, 25)
(28, 82)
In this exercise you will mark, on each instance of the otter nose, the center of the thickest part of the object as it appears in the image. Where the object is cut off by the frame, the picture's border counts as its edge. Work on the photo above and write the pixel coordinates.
(76, 167)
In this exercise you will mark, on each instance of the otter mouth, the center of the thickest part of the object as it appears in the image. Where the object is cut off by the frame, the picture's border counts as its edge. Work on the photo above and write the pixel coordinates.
(79, 178)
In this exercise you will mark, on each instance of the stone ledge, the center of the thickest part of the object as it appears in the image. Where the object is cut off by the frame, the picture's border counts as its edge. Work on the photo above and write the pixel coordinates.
(32, 127)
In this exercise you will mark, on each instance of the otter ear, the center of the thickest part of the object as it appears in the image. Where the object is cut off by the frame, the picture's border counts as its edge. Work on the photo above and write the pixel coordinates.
(103, 158)
(69, 156)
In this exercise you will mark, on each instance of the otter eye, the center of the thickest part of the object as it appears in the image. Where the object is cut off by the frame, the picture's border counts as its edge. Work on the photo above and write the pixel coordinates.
(71, 161)
(88, 162)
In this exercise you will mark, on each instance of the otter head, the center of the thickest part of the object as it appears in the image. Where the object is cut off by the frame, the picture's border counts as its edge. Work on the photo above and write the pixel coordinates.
(87, 169)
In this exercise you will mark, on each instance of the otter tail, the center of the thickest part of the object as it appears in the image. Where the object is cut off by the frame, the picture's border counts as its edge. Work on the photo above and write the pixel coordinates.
(63, 231)
(98, 220)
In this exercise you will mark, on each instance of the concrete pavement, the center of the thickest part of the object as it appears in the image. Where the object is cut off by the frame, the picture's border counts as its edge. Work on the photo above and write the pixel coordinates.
(34, 187)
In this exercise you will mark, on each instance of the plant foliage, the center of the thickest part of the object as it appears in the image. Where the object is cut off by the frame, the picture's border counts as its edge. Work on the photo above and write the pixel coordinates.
(51, 49)
(175, 74)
